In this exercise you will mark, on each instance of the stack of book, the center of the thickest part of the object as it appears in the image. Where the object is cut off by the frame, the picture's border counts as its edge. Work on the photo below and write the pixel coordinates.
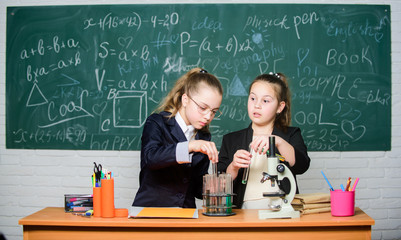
(310, 203)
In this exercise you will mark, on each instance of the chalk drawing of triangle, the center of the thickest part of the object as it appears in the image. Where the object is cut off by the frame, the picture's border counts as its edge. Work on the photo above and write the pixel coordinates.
(71, 82)
(35, 97)
(237, 88)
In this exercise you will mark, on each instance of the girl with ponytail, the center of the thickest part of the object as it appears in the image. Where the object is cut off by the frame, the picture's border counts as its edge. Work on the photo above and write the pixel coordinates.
(176, 149)
(269, 108)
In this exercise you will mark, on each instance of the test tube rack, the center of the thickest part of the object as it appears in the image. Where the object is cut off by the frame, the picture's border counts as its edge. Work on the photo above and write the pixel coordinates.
(217, 195)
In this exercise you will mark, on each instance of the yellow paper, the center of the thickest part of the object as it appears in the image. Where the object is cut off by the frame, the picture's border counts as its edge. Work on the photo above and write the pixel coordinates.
(160, 212)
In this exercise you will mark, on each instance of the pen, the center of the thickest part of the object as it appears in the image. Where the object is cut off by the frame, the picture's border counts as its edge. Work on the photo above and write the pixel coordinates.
(84, 198)
(355, 183)
(342, 187)
(331, 188)
(94, 180)
(348, 187)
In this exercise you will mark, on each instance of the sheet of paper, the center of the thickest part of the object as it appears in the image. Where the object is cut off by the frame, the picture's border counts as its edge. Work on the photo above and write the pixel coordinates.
(163, 212)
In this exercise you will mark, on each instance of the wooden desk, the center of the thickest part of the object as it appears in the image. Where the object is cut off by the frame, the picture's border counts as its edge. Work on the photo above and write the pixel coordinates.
(53, 223)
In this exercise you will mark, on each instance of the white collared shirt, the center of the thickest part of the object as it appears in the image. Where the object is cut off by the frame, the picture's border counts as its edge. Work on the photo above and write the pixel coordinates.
(182, 154)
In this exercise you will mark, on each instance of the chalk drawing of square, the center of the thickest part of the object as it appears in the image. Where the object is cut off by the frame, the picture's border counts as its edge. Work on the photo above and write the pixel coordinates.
(130, 109)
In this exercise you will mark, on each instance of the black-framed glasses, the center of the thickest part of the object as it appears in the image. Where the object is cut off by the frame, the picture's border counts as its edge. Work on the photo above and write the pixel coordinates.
(206, 110)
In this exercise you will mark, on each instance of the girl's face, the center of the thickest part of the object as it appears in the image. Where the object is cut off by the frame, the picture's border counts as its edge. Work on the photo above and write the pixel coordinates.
(263, 104)
(199, 107)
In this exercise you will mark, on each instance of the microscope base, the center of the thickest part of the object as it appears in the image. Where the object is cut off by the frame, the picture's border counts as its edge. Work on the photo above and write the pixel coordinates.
(283, 213)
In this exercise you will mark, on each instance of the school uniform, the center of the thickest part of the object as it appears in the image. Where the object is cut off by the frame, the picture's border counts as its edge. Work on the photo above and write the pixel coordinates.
(241, 139)
(170, 176)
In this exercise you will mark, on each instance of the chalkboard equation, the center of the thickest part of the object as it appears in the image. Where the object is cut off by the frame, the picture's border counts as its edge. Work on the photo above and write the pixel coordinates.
(87, 77)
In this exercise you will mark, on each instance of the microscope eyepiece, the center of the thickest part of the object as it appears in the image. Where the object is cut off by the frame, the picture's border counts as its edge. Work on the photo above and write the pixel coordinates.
(272, 146)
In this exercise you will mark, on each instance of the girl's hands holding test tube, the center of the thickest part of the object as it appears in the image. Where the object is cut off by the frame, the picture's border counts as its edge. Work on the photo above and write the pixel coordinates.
(206, 147)
(242, 159)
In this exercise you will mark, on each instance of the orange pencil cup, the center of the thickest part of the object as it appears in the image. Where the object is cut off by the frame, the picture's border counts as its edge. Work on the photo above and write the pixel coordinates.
(107, 202)
(97, 201)
(342, 203)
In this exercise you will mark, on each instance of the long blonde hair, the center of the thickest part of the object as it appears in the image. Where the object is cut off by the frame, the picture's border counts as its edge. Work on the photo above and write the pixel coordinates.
(187, 83)
(280, 86)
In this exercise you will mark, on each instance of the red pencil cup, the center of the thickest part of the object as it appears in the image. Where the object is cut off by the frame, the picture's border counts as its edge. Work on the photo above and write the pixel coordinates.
(342, 203)
(97, 202)
(107, 201)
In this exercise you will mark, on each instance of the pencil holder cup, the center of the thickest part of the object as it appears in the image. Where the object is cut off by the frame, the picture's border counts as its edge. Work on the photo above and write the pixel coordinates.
(342, 203)
(107, 202)
(97, 202)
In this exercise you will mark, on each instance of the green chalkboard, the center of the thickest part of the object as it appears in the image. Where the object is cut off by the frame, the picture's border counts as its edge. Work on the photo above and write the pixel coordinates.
(86, 77)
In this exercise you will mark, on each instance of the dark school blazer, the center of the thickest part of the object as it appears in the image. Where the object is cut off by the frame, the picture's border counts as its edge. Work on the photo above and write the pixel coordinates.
(162, 181)
(241, 140)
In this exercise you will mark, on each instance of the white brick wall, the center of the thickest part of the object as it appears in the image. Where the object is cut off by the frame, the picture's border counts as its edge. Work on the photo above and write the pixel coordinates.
(33, 179)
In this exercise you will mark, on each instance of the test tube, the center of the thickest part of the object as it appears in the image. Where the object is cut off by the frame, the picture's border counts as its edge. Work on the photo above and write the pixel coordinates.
(246, 170)
(228, 193)
(214, 169)
(206, 192)
(213, 185)
(225, 192)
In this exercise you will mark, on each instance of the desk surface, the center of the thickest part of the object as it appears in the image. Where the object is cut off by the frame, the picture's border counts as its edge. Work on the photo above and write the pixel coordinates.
(53, 216)
(53, 223)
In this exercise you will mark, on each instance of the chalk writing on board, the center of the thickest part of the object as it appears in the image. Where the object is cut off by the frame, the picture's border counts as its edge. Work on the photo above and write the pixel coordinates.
(92, 84)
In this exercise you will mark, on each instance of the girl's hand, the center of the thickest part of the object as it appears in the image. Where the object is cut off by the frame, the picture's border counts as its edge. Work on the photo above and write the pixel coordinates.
(206, 147)
(242, 159)
(260, 144)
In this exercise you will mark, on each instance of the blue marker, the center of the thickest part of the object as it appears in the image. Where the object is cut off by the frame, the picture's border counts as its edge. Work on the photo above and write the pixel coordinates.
(342, 187)
(89, 213)
(331, 188)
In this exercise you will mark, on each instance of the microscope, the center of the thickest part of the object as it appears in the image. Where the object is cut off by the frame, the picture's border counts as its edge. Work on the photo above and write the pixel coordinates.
(278, 173)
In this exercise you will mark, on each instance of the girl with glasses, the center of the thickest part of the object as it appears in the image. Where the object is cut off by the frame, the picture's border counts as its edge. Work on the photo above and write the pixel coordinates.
(270, 113)
(176, 149)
